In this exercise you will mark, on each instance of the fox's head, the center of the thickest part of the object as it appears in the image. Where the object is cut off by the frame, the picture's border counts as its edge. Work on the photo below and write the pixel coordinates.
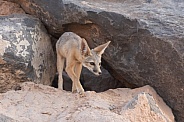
(92, 59)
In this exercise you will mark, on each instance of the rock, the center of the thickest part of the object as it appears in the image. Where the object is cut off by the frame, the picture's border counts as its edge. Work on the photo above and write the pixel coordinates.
(25, 52)
(40, 103)
(7, 8)
(67, 82)
(147, 39)
(4, 118)
(144, 106)
(90, 82)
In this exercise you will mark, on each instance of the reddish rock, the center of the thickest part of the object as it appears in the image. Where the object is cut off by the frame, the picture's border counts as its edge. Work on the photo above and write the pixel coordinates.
(7, 8)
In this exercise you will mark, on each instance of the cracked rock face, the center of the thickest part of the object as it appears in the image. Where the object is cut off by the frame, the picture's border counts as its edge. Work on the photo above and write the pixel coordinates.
(147, 39)
(25, 52)
(40, 103)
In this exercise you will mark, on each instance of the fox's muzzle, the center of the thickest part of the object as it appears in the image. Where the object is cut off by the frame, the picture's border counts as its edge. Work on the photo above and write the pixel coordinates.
(97, 72)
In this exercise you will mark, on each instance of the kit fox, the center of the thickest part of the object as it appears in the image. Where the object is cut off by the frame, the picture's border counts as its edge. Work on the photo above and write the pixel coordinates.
(75, 51)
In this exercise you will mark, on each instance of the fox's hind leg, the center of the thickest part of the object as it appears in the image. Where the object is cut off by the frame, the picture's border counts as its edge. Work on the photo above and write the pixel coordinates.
(60, 65)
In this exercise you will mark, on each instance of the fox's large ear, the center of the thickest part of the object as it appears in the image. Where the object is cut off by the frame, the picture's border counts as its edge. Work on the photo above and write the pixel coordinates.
(85, 48)
(101, 48)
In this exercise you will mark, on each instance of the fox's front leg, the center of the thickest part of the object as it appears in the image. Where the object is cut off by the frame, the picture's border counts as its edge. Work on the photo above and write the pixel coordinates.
(74, 89)
(70, 68)
(78, 68)
(77, 86)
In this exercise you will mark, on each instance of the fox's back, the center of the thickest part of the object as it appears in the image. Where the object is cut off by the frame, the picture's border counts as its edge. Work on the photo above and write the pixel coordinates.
(69, 41)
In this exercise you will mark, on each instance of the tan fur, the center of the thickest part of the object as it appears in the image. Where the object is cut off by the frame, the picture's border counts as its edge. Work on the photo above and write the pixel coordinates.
(75, 51)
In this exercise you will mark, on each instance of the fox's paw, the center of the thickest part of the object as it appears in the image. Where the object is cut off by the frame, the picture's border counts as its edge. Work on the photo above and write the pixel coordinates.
(74, 91)
(60, 88)
(80, 90)
(82, 94)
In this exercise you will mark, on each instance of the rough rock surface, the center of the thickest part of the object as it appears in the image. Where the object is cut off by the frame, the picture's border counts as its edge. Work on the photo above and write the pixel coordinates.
(90, 82)
(39, 103)
(25, 52)
(99, 83)
(4, 118)
(7, 8)
(147, 38)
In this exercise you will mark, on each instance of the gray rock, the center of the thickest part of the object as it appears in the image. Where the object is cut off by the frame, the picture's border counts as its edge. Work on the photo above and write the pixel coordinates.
(145, 102)
(4, 118)
(99, 83)
(147, 39)
(25, 52)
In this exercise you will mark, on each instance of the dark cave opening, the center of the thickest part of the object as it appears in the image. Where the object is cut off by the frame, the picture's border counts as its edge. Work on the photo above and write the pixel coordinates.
(90, 82)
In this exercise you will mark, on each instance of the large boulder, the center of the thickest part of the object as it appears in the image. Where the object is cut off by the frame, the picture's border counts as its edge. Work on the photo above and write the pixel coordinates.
(147, 39)
(40, 103)
(25, 52)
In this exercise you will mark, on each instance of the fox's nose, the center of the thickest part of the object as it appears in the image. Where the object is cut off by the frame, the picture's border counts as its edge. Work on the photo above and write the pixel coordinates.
(96, 71)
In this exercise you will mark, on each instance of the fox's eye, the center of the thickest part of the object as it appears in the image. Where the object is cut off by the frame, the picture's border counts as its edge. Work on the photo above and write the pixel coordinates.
(92, 63)
(100, 63)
